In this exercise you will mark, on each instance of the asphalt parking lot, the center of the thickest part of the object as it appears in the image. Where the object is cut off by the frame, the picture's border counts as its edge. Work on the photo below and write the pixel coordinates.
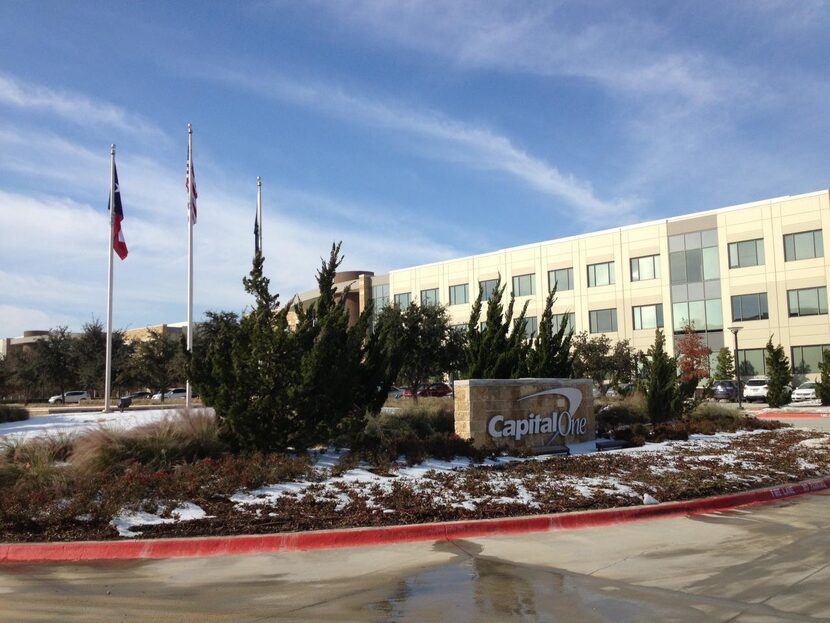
(761, 563)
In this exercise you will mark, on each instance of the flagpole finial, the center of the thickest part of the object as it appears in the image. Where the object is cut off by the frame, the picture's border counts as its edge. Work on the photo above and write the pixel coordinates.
(189, 129)
(112, 149)
(258, 180)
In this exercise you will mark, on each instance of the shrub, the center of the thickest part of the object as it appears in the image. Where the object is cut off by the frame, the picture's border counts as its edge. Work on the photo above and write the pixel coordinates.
(9, 413)
(418, 432)
(187, 437)
(627, 412)
(709, 418)
(669, 431)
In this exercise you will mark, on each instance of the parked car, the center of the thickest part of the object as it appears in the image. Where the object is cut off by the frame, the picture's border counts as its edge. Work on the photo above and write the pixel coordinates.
(70, 397)
(436, 390)
(408, 393)
(805, 391)
(622, 390)
(757, 388)
(178, 393)
(140, 396)
(395, 393)
(725, 390)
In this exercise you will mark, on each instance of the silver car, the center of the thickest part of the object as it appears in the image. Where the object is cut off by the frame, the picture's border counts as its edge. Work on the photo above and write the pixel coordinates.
(73, 397)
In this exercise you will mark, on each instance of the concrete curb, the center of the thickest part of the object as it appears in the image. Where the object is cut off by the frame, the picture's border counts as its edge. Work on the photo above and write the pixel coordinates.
(793, 415)
(362, 537)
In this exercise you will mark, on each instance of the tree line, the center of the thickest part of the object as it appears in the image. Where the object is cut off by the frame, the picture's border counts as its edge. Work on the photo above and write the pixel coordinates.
(62, 362)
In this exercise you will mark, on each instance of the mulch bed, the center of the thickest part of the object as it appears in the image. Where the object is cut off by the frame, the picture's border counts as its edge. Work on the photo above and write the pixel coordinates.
(686, 470)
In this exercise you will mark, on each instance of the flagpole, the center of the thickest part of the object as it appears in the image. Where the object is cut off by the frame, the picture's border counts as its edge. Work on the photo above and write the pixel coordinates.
(259, 208)
(108, 370)
(189, 255)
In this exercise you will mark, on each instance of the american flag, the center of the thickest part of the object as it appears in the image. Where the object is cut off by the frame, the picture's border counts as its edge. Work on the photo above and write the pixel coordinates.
(190, 185)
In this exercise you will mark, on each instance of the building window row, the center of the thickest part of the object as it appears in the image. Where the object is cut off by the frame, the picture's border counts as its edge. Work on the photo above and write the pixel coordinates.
(403, 299)
(645, 268)
(430, 297)
(648, 316)
(562, 279)
(807, 301)
(523, 285)
(805, 359)
(380, 297)
(460, 294)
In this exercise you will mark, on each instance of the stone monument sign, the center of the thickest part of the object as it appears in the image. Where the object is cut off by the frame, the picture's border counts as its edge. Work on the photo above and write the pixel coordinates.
(531, 414)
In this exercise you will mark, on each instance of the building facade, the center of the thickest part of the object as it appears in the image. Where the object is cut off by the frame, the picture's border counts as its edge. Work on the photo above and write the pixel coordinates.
(759, 266)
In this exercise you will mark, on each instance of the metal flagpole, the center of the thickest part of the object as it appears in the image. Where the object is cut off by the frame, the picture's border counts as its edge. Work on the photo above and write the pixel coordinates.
(259, 209)
(108, 367)
(189, 254)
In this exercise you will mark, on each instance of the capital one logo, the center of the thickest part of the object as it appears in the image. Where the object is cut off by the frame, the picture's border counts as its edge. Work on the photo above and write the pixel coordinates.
(556, 424)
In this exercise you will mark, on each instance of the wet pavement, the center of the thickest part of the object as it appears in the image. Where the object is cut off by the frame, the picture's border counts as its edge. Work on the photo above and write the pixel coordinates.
(758, 564)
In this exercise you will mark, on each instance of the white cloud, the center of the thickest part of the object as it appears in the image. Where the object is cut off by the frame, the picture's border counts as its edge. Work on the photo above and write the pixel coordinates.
(449, 139)
(73, 107)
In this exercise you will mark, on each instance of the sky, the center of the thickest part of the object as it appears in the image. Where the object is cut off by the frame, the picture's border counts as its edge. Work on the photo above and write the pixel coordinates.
(412, 131)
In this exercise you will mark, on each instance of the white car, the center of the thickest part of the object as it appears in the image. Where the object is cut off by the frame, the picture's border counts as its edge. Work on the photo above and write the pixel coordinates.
(757, 388)
(70, 397)
(805, 391)
(179, 393)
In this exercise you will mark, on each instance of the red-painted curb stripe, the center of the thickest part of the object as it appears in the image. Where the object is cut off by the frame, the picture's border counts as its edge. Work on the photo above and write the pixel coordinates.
(361, 537)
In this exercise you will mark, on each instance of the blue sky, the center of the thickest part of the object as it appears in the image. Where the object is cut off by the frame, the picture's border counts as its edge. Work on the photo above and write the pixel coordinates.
(412, 131)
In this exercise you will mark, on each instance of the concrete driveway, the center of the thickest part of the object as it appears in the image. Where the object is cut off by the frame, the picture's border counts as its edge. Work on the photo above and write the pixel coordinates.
(764, 563)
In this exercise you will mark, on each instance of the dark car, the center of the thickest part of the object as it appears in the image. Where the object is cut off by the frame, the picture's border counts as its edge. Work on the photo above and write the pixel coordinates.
(436, 390)
(725, 390)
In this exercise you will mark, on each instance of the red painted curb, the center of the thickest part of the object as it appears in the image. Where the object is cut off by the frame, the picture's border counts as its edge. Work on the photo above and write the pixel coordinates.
(361, 537)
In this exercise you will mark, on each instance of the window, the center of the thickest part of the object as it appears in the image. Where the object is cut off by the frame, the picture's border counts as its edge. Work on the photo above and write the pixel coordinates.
(557, 322)
(645, 268)
(531, 326)
(746, 253)
(487, 288)
(807, 301)
(803, 246)
(750, 307)
(562, 278)
(701, 315)
(752, 362)
(603, 320)
(380, 296)
(459, 294)
(648, 316)
(458, 328)
(806, 358)
(523, 285)
(600, 274)
(403, 299)
(430, 297)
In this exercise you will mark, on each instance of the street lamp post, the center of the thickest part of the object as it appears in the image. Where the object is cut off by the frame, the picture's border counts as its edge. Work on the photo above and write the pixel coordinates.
(737, 363)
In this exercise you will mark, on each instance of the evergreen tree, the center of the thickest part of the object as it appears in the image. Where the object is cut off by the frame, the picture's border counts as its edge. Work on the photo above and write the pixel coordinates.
(495, 351)
(780, 376)
(823, 386)
(23, 372)
(663, 401)
(157, 362)
(725, 367)
(426, 338)
(592, 357)
(384, 356)
(91, 356)
(55, 356)
(622, 363)
(551, 355)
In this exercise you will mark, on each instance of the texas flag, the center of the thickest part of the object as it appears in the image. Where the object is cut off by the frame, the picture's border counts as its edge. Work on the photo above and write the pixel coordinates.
(119, 245)
(190, 185)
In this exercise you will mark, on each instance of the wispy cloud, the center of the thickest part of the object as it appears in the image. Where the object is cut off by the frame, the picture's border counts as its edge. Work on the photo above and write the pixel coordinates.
(73, 107)
(450, 139)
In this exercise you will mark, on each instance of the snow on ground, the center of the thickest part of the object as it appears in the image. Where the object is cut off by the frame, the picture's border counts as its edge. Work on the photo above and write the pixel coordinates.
(127, 521)
(360, 483)
(71, 423)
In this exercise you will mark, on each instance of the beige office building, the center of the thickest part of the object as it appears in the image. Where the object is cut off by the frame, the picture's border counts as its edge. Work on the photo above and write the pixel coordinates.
(760, 266)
